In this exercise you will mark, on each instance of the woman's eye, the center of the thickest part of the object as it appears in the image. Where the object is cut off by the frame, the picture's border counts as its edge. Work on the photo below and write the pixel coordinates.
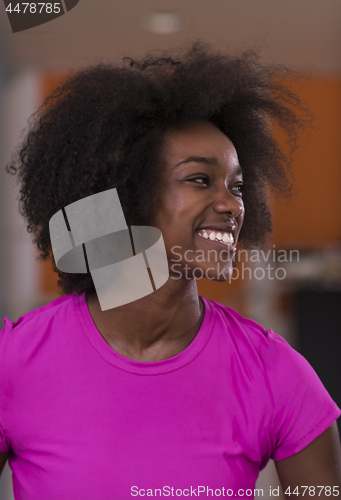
(200, 180)
(238, 188)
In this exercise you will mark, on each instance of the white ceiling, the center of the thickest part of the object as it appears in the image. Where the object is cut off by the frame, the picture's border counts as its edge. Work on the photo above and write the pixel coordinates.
(305, 34)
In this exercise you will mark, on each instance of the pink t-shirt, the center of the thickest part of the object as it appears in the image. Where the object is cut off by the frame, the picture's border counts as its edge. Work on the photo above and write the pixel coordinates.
(85, 423)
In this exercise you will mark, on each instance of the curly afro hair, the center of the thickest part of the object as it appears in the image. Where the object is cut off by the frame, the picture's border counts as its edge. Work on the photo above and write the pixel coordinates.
(103, 127)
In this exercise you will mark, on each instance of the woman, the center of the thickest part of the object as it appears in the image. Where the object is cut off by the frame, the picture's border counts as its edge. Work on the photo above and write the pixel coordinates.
(171, 394)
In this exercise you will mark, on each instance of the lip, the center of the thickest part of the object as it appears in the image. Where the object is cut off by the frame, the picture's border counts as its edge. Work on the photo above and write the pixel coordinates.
(226, 228)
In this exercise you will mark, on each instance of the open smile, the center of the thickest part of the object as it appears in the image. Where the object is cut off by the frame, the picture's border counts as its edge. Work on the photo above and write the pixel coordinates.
(219, 239)
(217, 236)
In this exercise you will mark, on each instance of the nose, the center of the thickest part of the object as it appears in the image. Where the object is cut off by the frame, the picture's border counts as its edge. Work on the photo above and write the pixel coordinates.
(228, 203)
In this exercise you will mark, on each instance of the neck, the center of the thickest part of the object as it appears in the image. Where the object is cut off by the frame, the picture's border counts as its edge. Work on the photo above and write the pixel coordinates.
(155, 327)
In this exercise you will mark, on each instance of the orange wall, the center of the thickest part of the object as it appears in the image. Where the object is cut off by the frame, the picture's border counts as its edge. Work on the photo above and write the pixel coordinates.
(313, 217)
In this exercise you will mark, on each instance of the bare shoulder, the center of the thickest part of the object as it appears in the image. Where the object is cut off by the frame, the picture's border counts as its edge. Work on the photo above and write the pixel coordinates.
(316, 466)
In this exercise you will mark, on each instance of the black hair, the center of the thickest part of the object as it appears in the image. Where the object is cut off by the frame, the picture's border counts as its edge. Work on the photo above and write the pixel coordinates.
(103, 127)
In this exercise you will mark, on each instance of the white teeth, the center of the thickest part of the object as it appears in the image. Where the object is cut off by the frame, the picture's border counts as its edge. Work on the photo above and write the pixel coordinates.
(228, 238)
(223, 237)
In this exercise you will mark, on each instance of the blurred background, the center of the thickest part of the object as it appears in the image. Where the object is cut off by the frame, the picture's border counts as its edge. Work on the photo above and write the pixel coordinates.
(300, 296)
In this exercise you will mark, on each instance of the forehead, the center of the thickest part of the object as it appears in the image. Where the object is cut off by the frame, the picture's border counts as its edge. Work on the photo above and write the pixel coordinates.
(199, 138)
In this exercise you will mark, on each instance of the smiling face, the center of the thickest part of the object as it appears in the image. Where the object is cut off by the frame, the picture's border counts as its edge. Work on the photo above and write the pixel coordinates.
(199, 207)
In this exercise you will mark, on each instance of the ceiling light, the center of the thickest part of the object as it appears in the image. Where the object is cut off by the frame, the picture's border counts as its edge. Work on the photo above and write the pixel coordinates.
(162, 23)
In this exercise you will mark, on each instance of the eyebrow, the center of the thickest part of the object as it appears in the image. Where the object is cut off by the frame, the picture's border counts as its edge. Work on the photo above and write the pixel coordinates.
(207, 160)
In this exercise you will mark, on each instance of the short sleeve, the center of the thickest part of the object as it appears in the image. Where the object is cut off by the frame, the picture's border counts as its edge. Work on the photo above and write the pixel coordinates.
(4, 446)
(304, 409)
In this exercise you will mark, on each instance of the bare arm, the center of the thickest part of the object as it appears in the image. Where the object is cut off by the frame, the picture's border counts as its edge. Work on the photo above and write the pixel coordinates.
(3, 459)
(318, 465)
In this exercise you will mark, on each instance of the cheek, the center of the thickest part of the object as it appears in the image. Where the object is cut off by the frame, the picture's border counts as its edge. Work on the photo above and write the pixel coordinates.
(171, 208)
